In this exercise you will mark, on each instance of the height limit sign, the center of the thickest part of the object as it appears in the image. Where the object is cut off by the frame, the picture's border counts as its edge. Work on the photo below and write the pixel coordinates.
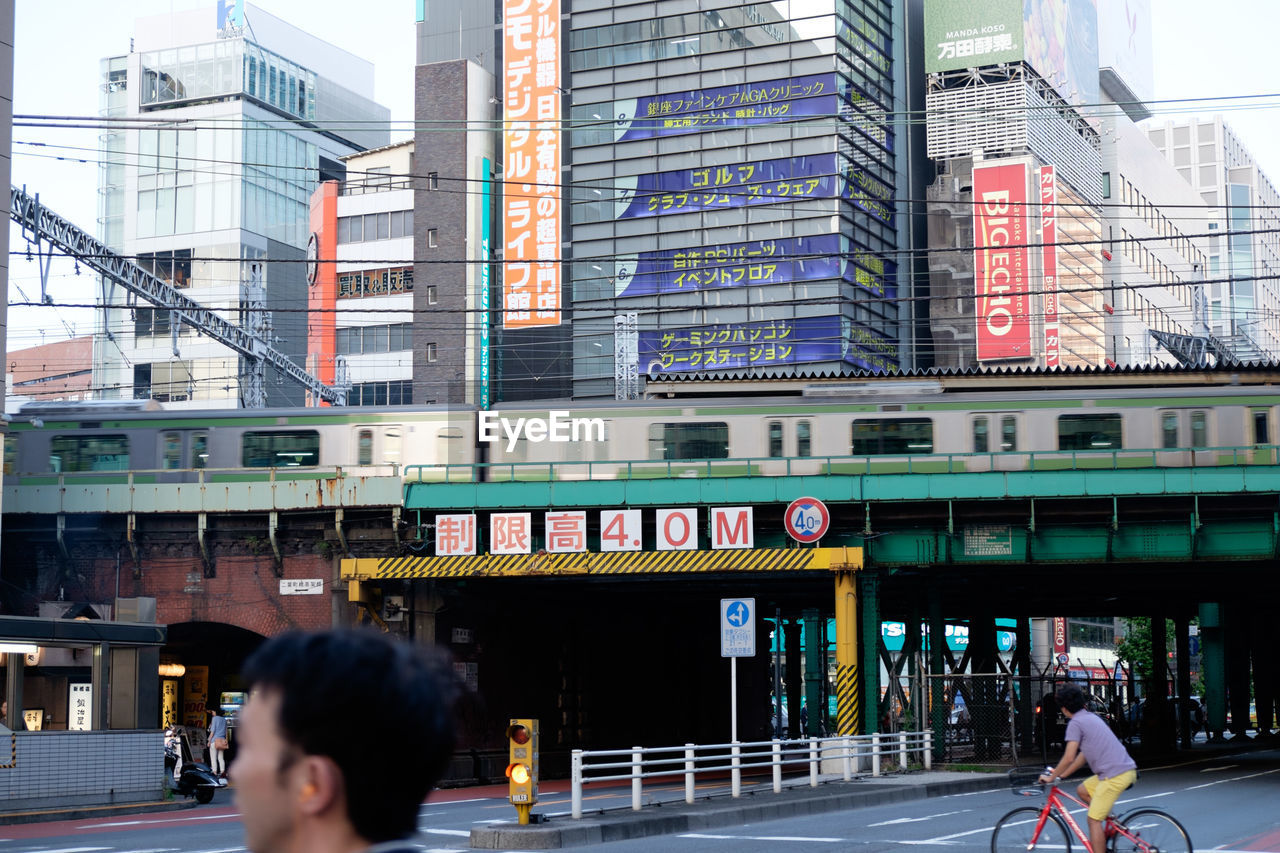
(737, 627)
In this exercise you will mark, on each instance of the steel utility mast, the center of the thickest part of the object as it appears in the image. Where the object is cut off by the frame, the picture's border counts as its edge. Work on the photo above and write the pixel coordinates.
(41, 224)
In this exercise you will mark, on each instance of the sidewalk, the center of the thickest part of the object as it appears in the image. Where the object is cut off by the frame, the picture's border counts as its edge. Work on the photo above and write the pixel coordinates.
(759, 804)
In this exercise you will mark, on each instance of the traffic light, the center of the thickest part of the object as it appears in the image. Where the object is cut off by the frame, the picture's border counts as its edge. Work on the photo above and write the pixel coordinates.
(522, 766)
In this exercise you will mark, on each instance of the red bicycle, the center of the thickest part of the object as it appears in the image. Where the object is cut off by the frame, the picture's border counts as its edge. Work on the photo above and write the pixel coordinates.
(1050, 827)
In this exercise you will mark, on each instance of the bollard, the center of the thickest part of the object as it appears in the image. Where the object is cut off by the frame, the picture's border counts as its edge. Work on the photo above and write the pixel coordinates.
(928, 750)
(846, 747)
(902, 750)
(575, 772)
(875, 754)
(813, 762)
(736, 773)
(637, 757)
(777, 766)
(688, 772)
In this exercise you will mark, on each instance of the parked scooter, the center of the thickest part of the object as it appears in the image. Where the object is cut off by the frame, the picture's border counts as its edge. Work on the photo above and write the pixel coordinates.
(194, 779)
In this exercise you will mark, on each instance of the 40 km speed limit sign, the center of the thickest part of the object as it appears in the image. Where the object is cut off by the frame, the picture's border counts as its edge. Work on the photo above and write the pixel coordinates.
(807, 519)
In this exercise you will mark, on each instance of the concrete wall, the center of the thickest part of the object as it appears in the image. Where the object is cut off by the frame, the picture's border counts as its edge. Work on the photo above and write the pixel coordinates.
(50, 769)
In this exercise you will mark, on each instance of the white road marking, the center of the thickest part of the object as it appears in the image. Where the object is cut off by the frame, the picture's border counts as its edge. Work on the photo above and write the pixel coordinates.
(434, 803)
(1216, 769)
(75, 849)
(117, 823)
(222, 850)
(1233, 779)
(150, 850)
(917, 819)
(763, 838)
(462, 832)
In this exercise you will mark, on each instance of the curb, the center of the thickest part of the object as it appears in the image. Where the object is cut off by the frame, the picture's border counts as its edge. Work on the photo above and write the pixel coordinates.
(89, 812)
(660, 819)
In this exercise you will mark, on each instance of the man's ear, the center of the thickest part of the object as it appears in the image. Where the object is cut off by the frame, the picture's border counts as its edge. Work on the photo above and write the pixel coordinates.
(322, 786)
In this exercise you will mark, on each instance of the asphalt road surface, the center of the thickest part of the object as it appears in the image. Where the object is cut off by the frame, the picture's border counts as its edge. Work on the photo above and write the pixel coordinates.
(1229, 804)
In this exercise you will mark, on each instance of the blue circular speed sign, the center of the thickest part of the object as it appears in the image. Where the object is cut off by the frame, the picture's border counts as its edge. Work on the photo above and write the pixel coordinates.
(807, 519)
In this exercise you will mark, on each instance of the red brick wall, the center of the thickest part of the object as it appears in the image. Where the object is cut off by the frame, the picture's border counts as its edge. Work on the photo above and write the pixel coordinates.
(245, 591)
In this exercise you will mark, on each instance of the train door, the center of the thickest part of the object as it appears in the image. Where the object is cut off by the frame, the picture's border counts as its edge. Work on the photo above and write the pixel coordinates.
(788, 447)
(995, 434)
(379, 446)
(1182, 437)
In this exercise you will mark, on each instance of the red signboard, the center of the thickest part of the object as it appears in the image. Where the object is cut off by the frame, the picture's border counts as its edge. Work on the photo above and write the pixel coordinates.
(1000, 262)
(1060, 644)
(1049, 240)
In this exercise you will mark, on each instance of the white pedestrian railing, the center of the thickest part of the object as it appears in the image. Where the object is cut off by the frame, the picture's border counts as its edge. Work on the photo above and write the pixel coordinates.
(691, 760)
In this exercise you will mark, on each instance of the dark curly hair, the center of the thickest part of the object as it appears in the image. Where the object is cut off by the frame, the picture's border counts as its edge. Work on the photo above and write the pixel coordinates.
(341, 692)
(1070, 698)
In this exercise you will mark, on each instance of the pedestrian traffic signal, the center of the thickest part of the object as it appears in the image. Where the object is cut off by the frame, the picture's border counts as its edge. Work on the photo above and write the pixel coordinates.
(522, 766)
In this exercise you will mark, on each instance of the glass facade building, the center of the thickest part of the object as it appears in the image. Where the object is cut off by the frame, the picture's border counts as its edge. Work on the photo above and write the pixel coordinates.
(220, 176)
(732, 206)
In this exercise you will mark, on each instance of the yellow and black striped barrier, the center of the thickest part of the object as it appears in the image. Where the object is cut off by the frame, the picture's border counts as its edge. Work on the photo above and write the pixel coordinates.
(613, 563)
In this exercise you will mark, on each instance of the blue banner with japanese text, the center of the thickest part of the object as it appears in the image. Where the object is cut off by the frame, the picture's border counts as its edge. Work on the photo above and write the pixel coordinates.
(770, 343)
(810, 96)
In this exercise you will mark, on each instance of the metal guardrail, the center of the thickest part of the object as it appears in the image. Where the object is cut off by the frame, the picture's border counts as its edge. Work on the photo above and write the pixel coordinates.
(925, 463)
(690, 760)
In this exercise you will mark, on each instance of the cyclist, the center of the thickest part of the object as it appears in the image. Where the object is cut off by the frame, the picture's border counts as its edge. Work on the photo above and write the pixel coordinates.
(1089, 739)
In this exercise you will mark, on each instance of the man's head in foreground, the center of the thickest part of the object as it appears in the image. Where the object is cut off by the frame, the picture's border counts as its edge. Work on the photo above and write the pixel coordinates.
(342, 737)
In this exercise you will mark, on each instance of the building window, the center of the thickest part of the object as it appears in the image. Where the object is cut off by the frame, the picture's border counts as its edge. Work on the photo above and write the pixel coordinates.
(1106, 185)
(433, 180)
(394, 393)
(431, 294)
(431, 238)
(431, 352)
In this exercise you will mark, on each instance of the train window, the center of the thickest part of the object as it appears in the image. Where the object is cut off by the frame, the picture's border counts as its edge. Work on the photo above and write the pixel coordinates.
(803, 440)
(979, 435)
(172, 456)
(1261, 432)
(1168, 430)
(364, 447)
(1199, 429)
(199, 450)
(709, 440)
(1008, 434)
(1089, 432)
(286, 448)
(69, 453)
(891, 436)
(391, 446)
(775, 439)
(10, 453)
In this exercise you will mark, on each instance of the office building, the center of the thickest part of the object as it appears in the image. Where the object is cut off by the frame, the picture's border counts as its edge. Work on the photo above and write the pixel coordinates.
(1241, 287)
(246, 116)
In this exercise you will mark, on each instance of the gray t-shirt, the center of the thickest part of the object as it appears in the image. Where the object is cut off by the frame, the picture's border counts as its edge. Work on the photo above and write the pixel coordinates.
(1103, 751)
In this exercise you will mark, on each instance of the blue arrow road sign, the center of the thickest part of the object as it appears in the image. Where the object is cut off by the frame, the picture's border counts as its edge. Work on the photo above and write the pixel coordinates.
(737, 628)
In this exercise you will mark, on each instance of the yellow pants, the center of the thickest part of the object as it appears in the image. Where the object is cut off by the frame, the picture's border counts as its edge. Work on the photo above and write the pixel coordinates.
(1103, 793)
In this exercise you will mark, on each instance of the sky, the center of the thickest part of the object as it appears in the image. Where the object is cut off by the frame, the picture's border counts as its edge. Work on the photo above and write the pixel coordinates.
(1199, 51)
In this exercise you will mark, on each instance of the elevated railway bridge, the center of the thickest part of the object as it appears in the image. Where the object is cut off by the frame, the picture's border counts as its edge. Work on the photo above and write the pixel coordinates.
(592, 603)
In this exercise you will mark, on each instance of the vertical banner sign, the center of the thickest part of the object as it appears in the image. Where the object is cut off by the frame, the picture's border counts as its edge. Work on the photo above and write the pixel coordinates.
(79, 707)
(1049, 238)
(194, 715)
(1060, 645)
(168, 703)
(1000, 262)
(531, 163)
(486, 214)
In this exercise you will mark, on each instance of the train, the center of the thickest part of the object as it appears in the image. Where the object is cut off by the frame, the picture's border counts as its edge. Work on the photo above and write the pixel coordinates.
(876, 426)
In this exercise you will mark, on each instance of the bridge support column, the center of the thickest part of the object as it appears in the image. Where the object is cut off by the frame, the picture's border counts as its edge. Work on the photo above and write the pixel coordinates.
(795, 683)
(1263, 672)
(937, 696)
(848, 679)
(815, 670)
(869, 649)
(1182, 651)
(1213, 666)
(1023, 685)
(1237, 654)
(989, 712)
(1157, 715)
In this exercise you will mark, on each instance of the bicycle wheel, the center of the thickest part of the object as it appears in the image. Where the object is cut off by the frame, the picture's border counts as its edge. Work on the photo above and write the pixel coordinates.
(1154, 831)
(1016, 833)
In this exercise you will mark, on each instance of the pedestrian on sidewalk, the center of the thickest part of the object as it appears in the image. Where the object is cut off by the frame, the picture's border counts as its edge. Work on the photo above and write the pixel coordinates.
(218, 743)
(343, 735)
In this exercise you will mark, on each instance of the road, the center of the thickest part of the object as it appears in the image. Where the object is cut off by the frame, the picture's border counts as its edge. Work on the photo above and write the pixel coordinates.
(1228, 804)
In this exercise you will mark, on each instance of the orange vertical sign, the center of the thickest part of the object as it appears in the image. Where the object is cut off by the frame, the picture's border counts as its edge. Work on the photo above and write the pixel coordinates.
(531, 163)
